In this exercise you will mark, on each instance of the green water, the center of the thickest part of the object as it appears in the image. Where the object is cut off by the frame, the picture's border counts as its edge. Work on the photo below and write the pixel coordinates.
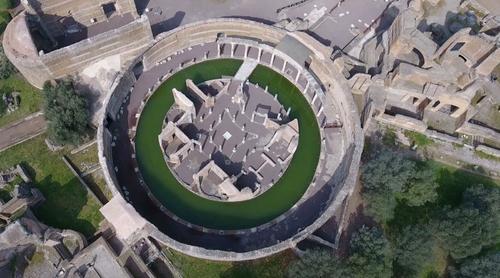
(221, 215)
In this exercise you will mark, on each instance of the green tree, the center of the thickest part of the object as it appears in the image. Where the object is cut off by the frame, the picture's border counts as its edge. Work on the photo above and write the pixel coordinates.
(421, 188)
(387, 170)
(66, 111)
(380, 204)
(413, 248)
(6, 67)
(487, 266)
(474, 224)
(317, 263)
(389, 178)
(371, 254)
(382, 176)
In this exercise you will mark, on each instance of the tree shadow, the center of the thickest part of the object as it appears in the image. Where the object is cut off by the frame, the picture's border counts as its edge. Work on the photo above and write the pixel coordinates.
(454, 183)
(453, 23)
(356, 221)
(30, 170)
(63, 205)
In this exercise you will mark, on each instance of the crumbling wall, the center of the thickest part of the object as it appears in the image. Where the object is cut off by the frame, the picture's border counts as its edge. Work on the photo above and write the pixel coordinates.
(85, 12)
(127, 42)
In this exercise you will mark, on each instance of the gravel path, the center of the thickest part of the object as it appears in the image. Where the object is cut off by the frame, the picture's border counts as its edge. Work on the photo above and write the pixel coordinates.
(22, 130)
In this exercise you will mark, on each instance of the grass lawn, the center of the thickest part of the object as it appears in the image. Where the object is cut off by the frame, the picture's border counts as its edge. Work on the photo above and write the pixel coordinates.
(67, 205)
(5, 4)
(274, 266)
(418, 138)
(31, 98)
(85, 159)
(4, 20)
(96, 180)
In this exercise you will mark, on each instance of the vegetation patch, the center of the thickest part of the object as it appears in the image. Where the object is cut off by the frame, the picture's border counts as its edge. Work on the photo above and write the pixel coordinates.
(67, 205)
(31, 98)
(85, 159)
(438, 221)
(96, 181)
(5, 4)
(484, 155)
(389, 137)
(418, 138)
(4, 20)
(67, 113)
(273, 267)
(37, 258)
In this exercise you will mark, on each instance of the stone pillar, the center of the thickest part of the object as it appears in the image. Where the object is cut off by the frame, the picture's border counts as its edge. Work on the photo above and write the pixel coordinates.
(314, 98)
(297, 77)
(320, 110)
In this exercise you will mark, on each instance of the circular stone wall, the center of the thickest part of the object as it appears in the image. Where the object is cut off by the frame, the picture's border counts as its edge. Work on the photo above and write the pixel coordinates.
(212, 214)
(320, 177)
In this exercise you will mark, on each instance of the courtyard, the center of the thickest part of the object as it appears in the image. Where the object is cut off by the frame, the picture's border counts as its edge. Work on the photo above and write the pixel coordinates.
(286, 191)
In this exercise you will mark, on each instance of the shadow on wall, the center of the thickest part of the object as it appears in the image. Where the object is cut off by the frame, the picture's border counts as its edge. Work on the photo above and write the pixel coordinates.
(66, 29)
(168, 24)
(141, 5)
(453, 23)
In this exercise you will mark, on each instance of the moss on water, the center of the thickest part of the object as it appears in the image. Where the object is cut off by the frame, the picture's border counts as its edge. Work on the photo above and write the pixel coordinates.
(220, 215)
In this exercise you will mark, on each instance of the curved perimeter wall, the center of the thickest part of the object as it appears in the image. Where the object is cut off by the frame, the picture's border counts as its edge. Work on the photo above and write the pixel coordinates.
(337, 95)
(127, 42)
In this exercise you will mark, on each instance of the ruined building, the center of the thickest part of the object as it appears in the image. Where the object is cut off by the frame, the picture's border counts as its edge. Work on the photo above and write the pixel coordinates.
(448, 91)
(52, 38)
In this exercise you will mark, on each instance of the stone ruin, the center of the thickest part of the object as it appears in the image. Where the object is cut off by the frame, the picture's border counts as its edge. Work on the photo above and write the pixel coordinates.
(11, 101)
(10, 175)
(22, 196)
(447, 90)
(231, 145)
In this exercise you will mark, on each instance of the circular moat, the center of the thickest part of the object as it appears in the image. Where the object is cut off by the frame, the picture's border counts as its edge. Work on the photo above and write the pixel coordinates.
(179, 200)
(231, 140)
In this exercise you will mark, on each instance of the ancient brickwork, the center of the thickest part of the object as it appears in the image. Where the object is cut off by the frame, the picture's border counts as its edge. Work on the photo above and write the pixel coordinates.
(127, 42)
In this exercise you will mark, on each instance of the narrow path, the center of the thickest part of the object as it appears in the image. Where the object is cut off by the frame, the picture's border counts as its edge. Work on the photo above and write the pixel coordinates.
(22, 130)
(246, 69)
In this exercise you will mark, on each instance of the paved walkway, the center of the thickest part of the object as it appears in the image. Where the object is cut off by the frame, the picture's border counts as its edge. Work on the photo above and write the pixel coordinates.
(22, 130)
(246, 69)
(344, 18)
